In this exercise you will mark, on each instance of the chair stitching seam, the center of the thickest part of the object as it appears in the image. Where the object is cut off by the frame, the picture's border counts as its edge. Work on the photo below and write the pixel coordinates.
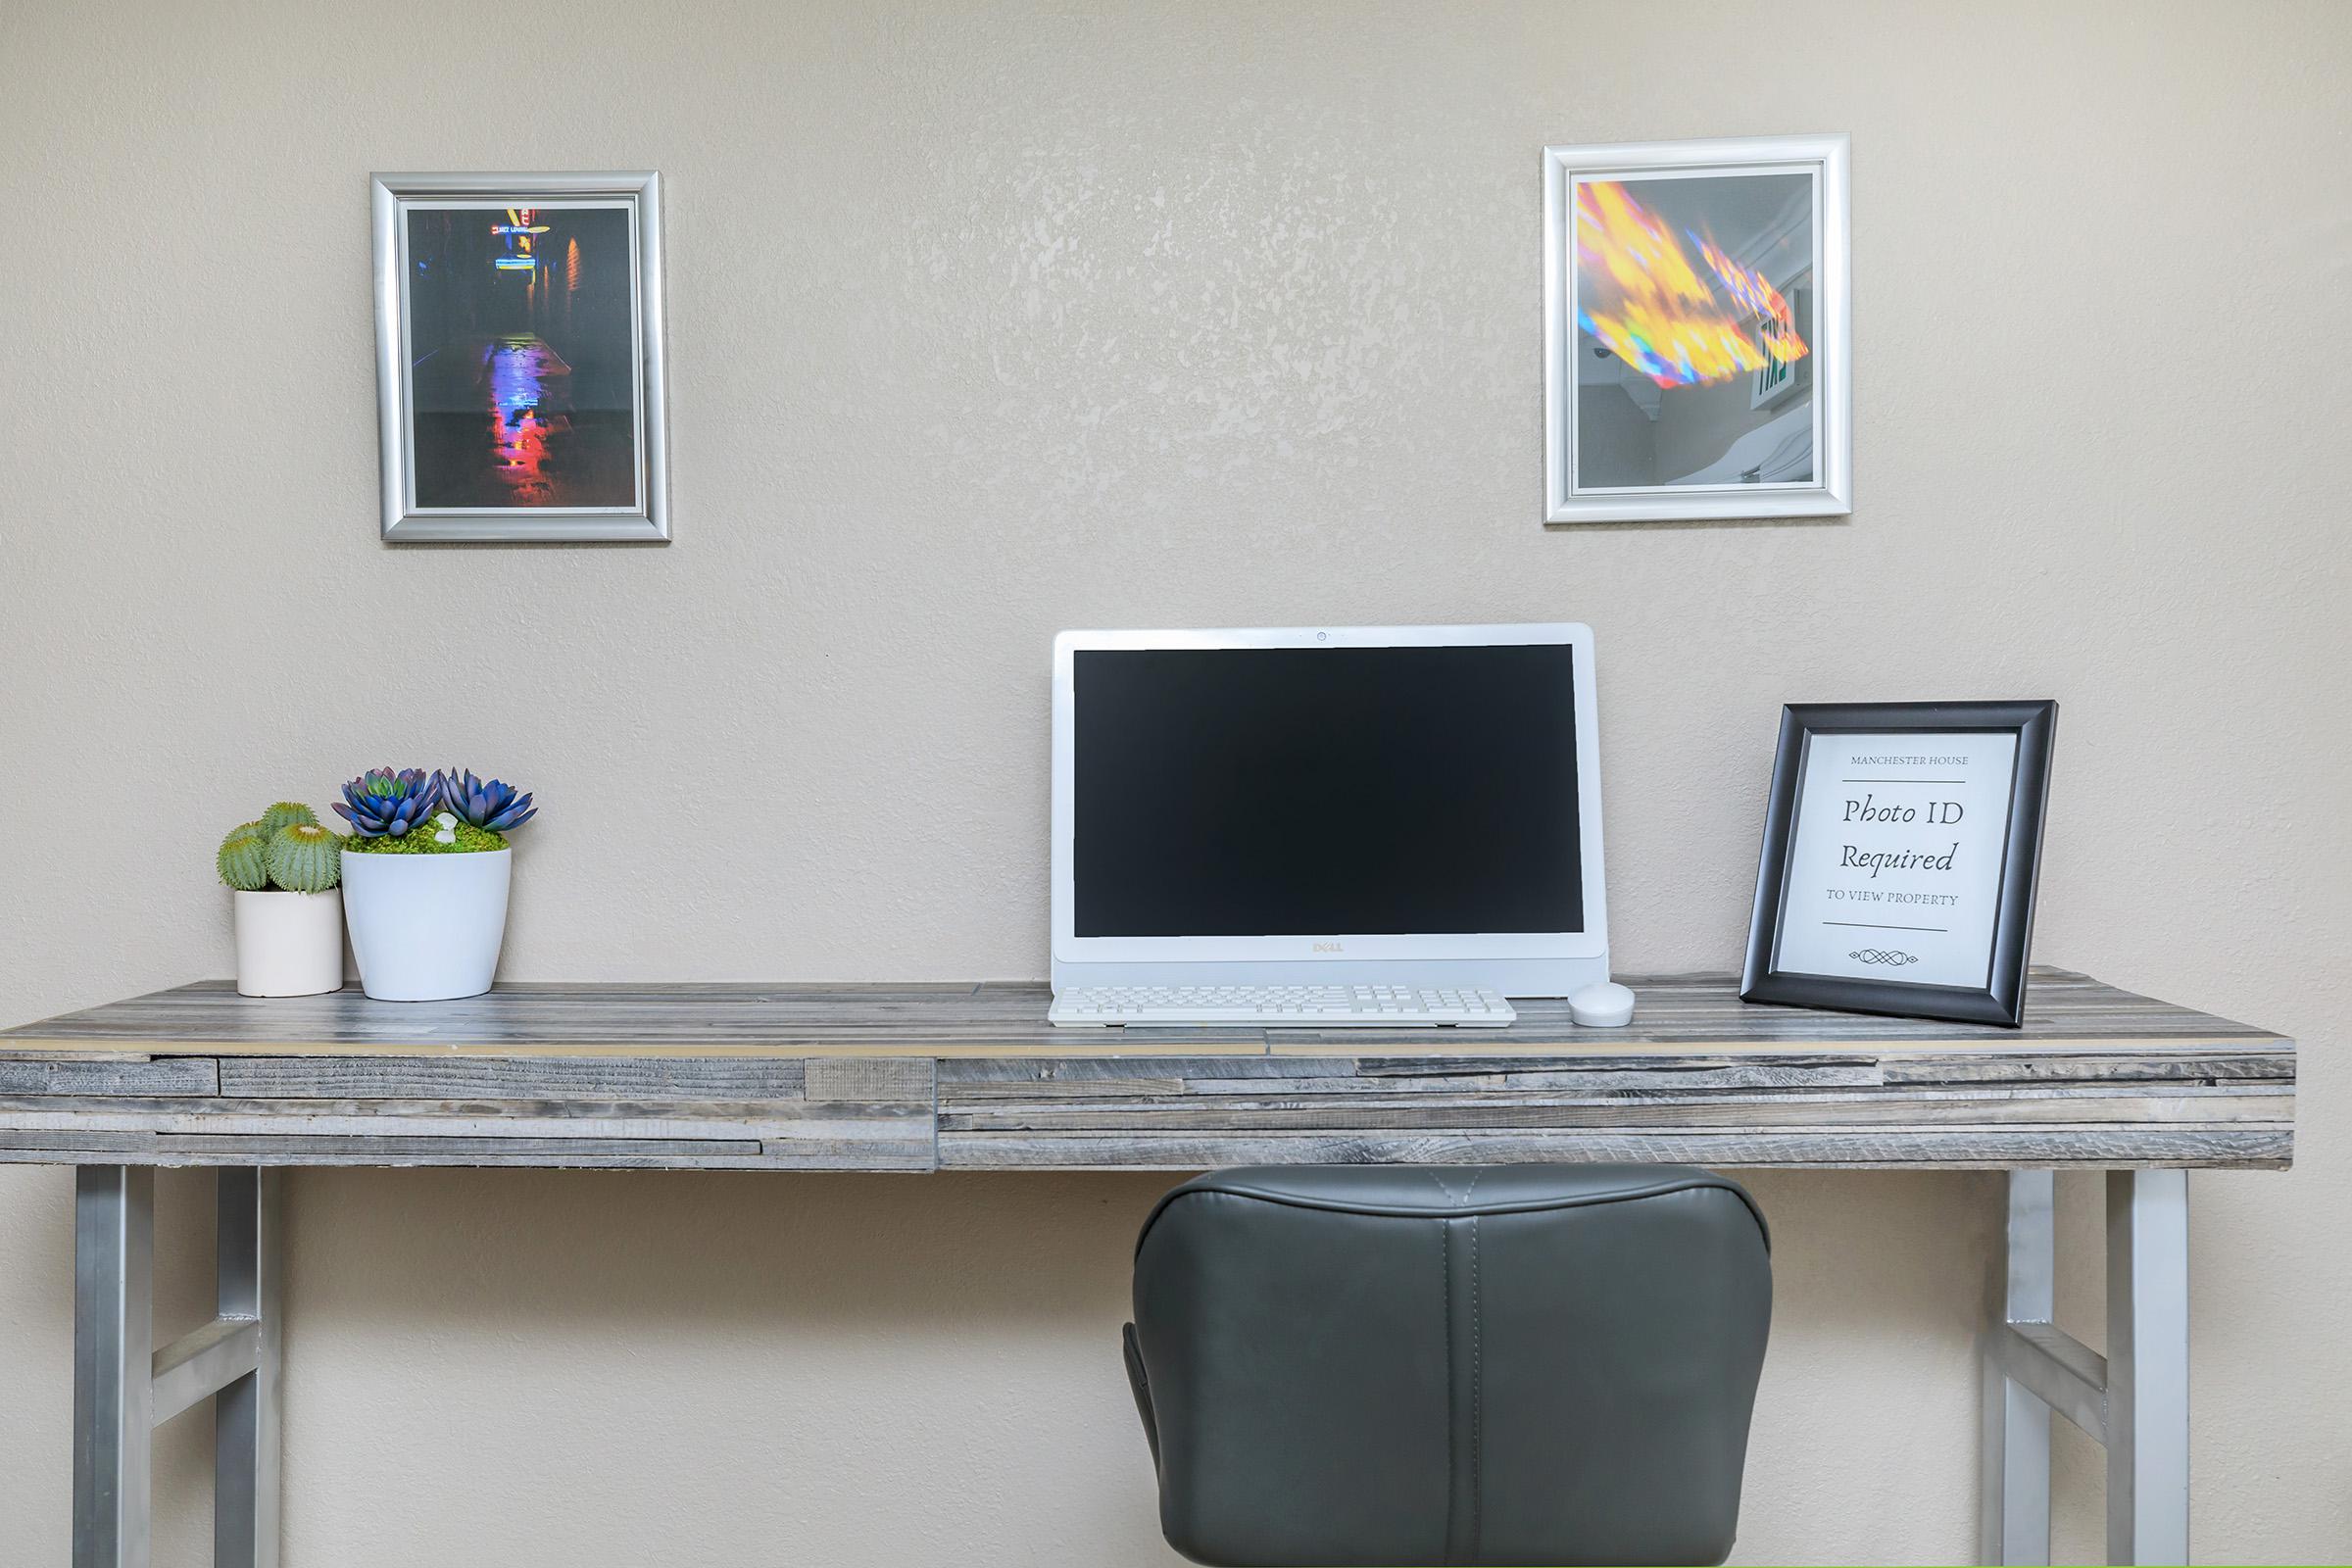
(1674, 1189)
(1478, 1466)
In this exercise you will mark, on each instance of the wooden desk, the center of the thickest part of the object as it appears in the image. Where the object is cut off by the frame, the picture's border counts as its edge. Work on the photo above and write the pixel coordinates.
(970, 1077)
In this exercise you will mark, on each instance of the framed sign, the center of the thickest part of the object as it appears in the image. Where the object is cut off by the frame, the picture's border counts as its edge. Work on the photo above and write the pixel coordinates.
(1695, 330)
(1901, 848)
(518, 357)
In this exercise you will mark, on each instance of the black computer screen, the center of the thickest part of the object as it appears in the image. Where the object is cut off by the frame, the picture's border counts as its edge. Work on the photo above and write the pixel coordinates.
(1271, 792)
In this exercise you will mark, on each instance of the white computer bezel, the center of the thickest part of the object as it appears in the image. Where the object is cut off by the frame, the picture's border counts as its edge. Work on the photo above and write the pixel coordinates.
(1519, 963)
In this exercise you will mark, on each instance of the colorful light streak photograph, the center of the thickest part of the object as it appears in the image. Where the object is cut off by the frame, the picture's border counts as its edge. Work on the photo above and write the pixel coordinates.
(1692, 303)
(522, 356)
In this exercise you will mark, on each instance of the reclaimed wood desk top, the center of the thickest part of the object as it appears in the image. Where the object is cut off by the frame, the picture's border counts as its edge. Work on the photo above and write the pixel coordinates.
(971, 1076)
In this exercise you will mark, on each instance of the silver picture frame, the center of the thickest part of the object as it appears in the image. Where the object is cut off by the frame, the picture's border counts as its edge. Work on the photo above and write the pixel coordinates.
(1815, 482)
(629, 502)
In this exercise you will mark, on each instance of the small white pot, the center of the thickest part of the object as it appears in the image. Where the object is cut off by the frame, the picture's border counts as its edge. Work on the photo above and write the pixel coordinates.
(427, 927)
(289, 943)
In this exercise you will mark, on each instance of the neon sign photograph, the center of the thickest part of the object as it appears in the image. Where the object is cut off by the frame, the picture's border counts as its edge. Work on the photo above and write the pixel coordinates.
(1695, 330)
(518, 357)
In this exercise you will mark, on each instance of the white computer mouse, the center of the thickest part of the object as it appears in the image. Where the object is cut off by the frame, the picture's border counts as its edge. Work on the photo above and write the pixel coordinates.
(1605, 1005)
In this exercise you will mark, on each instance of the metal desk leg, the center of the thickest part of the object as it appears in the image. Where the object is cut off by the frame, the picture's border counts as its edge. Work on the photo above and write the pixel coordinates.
(2134, 1399)
(2014, 1525)
(2147, 1366)
(123, 1388)
(245, 1446)
(113, 1336)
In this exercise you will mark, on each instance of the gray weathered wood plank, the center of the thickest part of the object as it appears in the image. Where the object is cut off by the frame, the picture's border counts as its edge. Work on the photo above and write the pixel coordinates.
(1967, 1148)
(1721, 1111)
(1677, 1013)
(502, 1078)
(2055, 1068)
(885, 1078)
(919, 1077)
(127, 1075)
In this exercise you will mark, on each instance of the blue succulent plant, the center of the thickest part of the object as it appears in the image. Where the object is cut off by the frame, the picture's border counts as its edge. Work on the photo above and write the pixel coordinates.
(384, 804)
(495, 805)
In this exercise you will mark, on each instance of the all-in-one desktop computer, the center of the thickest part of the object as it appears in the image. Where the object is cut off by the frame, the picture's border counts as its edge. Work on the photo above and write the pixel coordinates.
(1345, 825)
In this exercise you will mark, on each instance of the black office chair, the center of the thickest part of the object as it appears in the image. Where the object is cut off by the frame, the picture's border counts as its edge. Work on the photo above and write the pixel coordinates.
(1520, 1365)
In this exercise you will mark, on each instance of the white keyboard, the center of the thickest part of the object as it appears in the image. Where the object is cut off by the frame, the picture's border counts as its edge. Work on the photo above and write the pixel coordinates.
(1296, 1006)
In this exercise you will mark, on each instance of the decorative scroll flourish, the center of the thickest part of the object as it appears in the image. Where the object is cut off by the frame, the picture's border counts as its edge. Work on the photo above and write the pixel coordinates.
(1893, 956)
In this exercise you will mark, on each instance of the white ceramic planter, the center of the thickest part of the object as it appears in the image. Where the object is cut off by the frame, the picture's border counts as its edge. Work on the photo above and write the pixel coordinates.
(427, 927)
(289, 943)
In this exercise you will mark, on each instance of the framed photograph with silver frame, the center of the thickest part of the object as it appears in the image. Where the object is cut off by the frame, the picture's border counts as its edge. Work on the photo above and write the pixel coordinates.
(518, 357)
(1903, 844)
(1696, 331)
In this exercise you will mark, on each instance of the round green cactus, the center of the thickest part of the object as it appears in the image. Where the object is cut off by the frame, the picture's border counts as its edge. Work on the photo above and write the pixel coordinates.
(286, 814)
(305, 858)
(243, 860)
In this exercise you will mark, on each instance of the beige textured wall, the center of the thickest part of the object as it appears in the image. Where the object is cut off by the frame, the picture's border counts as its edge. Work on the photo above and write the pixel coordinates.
(987, 321)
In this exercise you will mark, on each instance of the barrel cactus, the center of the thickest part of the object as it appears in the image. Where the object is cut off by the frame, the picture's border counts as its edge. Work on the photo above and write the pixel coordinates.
(384, 804)
(243, 859)
(286, 814)
(305, 858)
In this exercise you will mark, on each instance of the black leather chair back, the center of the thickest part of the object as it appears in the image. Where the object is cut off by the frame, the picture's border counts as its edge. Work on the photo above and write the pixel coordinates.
(1518, 1364)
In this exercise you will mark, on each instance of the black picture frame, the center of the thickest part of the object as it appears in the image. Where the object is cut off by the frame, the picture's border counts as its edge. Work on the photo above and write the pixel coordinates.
(2002, 1000)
